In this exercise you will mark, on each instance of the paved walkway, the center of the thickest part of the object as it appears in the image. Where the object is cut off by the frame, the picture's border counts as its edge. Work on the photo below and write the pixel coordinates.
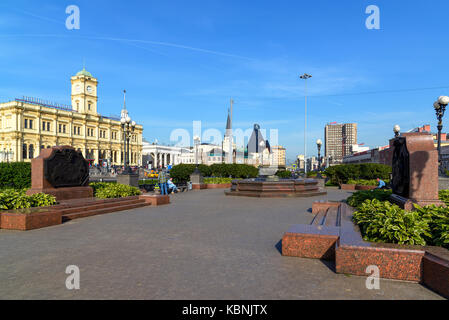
(203, 246)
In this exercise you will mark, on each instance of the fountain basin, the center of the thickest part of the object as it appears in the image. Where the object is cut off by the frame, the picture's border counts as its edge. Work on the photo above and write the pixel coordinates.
(275, 189)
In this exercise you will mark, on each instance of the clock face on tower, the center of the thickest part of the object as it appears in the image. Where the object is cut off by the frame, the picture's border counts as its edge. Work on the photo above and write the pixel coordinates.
(89, 89)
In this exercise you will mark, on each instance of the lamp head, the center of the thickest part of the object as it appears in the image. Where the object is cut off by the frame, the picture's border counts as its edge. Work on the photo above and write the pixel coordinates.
(319, 142)
(396, 129)
(443, 100)
(128, 119)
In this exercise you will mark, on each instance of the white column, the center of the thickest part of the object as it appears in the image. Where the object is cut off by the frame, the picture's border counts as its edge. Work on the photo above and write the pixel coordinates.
(165, 160)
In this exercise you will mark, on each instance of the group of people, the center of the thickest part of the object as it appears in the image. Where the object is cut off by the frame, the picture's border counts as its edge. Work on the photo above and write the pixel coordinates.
(166, 183)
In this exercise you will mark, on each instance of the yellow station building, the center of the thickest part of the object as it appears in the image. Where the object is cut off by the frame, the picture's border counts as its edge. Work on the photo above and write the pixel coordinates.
(28, 125)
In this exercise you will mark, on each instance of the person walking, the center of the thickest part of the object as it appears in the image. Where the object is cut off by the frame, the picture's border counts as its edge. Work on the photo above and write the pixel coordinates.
(162, 179)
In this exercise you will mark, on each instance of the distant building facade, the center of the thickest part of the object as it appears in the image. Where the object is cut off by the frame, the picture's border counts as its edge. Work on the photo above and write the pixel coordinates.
(279, 155)
(29, 125)
(339, 139)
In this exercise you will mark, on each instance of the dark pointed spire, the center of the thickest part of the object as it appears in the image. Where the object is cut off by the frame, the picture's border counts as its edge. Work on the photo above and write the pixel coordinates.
(228, 123)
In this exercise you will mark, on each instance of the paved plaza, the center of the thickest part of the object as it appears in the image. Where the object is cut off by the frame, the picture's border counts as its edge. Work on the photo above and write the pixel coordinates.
(202, 246)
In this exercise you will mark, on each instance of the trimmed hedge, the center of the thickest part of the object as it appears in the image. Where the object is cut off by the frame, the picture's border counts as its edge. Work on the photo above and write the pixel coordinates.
(341, 174)
(182, 172)
(15, 175)
(217, 180)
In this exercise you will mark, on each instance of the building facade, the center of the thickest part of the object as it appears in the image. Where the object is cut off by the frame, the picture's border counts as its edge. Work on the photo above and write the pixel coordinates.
(279, 155)
(28, 125)
(339, 139)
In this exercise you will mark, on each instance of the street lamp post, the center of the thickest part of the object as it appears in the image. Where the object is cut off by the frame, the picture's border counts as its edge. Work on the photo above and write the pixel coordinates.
(128, 127)
(319, 143)
(305, 76)
(196, 141)
(440, 107)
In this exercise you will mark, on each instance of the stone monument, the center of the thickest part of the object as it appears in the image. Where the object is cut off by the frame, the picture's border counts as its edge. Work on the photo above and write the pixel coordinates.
(415, 170)
(62, 172)
(197, 180)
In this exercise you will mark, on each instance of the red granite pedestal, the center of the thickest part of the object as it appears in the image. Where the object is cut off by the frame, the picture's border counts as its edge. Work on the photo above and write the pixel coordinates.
(39, 184)
(422, 171)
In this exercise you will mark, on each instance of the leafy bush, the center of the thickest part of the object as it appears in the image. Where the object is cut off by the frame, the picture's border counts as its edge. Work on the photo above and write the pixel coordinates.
(364, 182)
(359, 197)
(312, 174)
(15, 175)
(17, 199)
(386, 222)
(218, 180)
(438, 219)
(341, 174)
(284, 174)
(147, 181)
(444, 196)
(105, 190)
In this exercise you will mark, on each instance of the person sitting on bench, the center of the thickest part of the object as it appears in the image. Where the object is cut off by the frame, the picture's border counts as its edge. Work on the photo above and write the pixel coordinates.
(381, 185)
(172, 186)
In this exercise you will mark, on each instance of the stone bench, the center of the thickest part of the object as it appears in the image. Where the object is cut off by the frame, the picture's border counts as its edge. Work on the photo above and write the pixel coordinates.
(332, 235)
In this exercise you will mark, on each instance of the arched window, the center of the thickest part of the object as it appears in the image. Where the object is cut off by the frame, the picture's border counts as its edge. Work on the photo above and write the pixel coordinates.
(31, 151)
(24, 151)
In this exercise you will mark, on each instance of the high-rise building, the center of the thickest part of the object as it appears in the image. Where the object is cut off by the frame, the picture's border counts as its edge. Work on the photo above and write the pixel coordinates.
(339, 139)
(279, 156)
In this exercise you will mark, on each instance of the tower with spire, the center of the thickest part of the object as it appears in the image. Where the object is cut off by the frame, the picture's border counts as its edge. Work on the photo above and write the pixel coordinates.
(228, 141)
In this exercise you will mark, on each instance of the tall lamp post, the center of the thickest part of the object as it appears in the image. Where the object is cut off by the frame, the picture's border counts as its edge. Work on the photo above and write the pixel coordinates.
(196, 141)
(440, 108)
(305, 76)
(128, 127)
(319, 143)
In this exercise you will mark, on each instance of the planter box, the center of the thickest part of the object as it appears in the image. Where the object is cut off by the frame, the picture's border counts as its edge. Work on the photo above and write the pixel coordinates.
(347, 186)
(29, 219)
(155, 200)
(219, 186)
(364, 188)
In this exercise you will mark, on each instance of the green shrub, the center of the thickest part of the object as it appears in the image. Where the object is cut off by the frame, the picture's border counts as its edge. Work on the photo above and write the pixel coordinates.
(15, 175)
(104, 190)
(444, 196)
(17, 199)
(364, 182)
(182, 172)
(312, 174)
(284, 174)
(218, 180)
(147, 181)
(341, 174)
(359, 197)
(386, 222)
(438, 219)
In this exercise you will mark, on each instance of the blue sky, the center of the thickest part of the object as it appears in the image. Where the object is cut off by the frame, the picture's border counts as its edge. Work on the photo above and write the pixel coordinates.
(182, 61)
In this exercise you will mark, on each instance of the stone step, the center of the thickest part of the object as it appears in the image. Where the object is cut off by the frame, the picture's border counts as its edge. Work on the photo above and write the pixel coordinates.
(93, 212)
(332, 217)
(319, 218)
(99, 205)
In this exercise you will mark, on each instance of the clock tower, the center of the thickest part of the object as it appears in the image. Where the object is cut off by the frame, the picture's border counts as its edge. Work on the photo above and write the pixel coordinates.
(84, 92)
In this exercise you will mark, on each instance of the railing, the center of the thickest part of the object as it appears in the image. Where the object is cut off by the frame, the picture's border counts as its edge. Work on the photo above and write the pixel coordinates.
(43, 103)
